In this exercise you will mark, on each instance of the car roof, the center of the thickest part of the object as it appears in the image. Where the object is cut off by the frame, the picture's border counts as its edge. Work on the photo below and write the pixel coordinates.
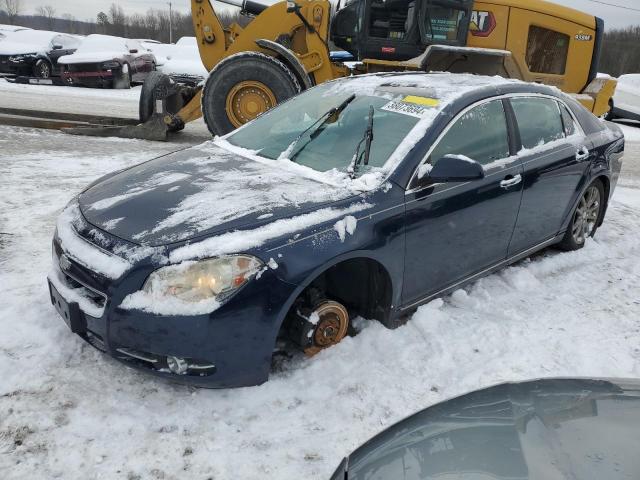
(445, 87)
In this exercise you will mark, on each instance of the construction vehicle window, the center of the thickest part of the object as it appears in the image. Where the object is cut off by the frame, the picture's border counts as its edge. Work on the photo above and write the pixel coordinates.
(481, 134)
(567, 120)
(391, 19)
(547, 51)
(331, 144)
(539, 121)
(443, 23)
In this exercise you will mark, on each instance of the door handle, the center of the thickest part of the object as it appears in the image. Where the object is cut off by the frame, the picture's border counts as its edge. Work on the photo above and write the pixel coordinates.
(582, 154)
(511, 181)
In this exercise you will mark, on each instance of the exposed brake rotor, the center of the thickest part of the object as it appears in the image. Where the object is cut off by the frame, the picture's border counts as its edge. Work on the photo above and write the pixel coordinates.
(331, 325)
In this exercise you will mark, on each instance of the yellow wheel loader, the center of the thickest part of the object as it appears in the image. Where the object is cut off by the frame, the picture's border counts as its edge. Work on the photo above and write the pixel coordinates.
(285, 49)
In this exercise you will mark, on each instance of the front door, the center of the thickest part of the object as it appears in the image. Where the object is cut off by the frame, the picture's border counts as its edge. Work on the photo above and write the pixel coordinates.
(454, 230)
(555, 158)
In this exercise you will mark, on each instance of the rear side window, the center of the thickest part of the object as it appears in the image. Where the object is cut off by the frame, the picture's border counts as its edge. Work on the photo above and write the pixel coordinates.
(547, 51)
(567, 120)
(539, 121)
(481, 134)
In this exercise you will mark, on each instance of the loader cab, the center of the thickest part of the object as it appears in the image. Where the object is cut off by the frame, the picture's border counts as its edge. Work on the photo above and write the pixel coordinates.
(398, 30)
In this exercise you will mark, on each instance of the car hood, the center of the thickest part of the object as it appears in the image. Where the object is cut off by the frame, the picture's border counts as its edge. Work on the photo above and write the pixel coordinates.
(511, 430)
(13, 48)
(90, 57)
(200, 191)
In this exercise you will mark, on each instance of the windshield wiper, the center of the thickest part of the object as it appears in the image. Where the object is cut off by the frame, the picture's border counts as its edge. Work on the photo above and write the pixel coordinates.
(319, 126)
(366, 139)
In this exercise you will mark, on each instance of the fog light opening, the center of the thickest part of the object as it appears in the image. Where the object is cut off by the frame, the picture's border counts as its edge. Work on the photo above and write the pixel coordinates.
(177, 365)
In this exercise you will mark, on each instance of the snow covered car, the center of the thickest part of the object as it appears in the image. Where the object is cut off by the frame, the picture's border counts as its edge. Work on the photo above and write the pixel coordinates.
(185, 61)
(582, 429)
(35, 52)
(6, 29)
(626, 101)
(106, 61)
(365, 196)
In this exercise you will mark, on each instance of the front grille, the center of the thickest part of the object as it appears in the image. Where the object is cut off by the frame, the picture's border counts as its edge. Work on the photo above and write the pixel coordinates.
(83, 67)
(97, 298)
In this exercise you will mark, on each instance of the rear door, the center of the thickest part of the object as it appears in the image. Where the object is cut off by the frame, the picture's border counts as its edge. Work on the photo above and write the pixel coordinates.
(454, 230)
(555, 157)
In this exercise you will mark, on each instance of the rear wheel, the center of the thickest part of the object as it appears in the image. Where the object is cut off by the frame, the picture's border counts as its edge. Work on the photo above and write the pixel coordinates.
(586, 217)
(243, 86)
(42, 69)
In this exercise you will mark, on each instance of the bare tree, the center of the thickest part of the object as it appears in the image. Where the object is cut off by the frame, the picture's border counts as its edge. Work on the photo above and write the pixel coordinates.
(13, 8)
(48, 12)
(118, 20)
(71, 24)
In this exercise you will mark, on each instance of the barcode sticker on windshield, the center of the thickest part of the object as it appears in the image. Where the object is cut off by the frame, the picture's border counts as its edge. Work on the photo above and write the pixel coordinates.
(405, 108)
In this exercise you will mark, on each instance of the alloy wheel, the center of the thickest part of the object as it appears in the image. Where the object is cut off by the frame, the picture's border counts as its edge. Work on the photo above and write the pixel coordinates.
(586, 216)
(45, 71)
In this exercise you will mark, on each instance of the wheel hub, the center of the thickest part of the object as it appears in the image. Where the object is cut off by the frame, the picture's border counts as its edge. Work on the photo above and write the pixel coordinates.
(331, 327)
(584, 222)
(247, 100)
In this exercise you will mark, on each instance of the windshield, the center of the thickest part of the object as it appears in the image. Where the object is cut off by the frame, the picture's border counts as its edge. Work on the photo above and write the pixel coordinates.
(300, 129)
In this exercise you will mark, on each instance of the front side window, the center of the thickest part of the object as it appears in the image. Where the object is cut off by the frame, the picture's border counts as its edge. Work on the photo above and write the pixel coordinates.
(300, 130)
(539, 121)
(481, 135)
(547, 51)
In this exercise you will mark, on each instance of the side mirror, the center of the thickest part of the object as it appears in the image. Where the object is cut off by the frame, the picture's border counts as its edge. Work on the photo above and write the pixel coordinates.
(57, 46)
(133, 50)
(456, 168)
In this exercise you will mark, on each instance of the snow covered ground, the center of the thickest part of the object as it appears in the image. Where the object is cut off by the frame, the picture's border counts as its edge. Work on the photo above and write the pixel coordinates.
(70, 412)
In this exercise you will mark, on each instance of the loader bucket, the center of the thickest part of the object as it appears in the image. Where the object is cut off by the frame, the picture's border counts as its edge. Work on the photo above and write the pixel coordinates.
(154, 129)
(161, 103)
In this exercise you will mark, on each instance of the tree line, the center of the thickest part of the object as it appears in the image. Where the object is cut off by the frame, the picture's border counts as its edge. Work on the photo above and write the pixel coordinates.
(620, 53)
(154, 24)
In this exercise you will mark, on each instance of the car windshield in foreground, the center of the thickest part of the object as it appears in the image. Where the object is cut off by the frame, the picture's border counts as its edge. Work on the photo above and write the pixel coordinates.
(322, 131)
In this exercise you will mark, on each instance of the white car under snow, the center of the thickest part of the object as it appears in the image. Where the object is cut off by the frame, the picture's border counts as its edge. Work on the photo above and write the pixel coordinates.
(626, 101)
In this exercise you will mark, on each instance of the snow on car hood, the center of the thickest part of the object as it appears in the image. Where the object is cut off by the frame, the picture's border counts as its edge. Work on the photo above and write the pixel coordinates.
(14, 48)
(198, 191)
(90, 57)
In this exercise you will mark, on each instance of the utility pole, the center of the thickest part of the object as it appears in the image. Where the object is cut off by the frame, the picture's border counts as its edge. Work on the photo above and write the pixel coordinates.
(170, 23)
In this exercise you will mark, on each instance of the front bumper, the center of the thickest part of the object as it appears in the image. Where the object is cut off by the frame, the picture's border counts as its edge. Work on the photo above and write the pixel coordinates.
(230, 347)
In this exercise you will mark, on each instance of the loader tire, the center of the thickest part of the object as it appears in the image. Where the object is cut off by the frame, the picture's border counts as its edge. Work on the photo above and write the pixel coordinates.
(243, 86)
(154, 80)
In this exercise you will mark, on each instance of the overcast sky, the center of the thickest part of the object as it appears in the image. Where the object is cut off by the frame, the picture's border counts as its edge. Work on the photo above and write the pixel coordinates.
(87, 9)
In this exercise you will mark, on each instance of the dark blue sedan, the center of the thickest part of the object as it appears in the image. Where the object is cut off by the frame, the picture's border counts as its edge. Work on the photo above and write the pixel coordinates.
(367, 196)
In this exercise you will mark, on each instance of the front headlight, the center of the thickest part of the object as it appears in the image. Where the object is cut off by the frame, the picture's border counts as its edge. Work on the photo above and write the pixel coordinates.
(193, 282)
